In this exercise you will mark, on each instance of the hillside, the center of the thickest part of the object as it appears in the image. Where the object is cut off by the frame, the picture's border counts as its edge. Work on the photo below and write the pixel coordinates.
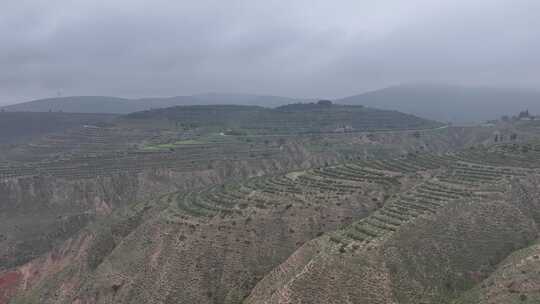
(450, 103)
(16, 127)
(270, 152)
(289, 119)
(230, 204)
(515, 281)
(422, 228)
(75, 104)
(447, 103)
(170, 128)
(106, 104)
(428, 244)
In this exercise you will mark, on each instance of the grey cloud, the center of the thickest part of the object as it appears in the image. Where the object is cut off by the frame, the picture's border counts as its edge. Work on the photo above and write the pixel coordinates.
(298, 48)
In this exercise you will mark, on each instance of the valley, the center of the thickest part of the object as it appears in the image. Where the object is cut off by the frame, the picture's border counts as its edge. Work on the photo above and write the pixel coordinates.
(270, 152)
(305, 203)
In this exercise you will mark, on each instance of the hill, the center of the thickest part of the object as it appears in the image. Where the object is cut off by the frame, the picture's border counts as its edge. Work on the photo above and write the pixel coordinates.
(514, 281)
(107, 104)
(421, 228)
(455, 104)
(289, 119)
(235, 204)
(75, 104)
(21, 126)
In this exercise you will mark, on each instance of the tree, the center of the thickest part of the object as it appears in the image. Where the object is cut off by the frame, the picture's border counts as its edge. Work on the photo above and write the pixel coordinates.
(524, 114)
(324, 102)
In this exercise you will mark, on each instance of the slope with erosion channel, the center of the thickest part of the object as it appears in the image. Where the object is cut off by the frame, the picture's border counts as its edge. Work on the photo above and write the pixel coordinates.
(168, 169)
(50, 200)
(214, 245)
(39, 211)
(426, 245)
(68, 194)
(516, 279)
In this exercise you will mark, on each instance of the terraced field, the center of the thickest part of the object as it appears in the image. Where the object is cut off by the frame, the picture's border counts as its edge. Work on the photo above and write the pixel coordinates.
(300, 204)
(183, 158)
(426, 198)
(446, 179)
(446, 184)
(318, 185)
(525, 154)
(459, 178)
(437, 179)
(358, 209)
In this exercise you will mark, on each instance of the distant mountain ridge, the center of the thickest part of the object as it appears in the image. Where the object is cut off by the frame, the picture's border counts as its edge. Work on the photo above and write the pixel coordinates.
(446, 103)
(450, 103)
(115, 105)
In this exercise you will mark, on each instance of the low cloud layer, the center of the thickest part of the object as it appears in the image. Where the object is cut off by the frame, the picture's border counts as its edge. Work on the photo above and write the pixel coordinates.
(307, 48)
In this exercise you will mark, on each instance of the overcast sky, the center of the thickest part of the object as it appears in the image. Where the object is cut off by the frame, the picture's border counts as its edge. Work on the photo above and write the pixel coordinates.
(307, 48)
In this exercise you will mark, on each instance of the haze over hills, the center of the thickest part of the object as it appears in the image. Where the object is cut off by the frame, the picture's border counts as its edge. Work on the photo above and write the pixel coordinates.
(107, 104)
(283, 152)
(457, 104)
